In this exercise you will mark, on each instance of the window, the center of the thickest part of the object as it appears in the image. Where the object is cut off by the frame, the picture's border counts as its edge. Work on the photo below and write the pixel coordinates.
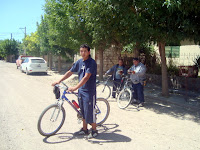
(37, 61)
(25, 61)
(172, 51)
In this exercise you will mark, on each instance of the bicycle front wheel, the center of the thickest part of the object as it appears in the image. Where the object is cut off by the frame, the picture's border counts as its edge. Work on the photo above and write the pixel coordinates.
(102, 110)
(103, 91)
(124, 98)
(51, 120)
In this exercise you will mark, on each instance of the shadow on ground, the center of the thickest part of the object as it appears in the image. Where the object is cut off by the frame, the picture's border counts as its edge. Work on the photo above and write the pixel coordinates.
(178, 112)
(107, 134)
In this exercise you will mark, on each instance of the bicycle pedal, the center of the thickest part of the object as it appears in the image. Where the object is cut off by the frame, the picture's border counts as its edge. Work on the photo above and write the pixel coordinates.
(79, 121)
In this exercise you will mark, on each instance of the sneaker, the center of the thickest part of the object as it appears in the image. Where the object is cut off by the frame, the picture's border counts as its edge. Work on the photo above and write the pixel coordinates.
(83, 132)
(93, 134)
(141, 104)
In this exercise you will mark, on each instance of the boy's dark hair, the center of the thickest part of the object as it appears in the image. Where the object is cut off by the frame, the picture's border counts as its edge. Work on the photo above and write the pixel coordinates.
(85, 46)
(135, 58)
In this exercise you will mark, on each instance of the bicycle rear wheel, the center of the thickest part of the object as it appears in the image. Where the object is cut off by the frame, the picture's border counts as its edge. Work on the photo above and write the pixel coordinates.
(124, 98)
(102, 110)
(103, 91)
(51, 120)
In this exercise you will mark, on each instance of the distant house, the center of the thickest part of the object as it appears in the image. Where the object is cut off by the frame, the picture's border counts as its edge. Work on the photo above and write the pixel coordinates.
(183, 55)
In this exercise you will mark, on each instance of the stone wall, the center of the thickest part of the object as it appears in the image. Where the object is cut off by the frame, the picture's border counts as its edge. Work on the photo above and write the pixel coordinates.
(110, 58)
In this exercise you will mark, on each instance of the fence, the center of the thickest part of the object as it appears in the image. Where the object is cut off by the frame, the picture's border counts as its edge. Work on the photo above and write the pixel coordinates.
(176, 82)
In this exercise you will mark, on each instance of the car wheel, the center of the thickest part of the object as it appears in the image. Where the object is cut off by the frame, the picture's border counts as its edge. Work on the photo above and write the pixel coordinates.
(21, 70)
(27, 73)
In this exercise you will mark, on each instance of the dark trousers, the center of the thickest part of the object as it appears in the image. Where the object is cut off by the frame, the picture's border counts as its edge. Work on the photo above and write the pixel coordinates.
(138, 92)
(116, 84)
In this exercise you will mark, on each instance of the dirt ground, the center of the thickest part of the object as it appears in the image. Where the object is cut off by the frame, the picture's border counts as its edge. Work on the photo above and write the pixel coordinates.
(157, 126)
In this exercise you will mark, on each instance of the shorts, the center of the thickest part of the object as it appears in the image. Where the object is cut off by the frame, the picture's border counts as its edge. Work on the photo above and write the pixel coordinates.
(87, 101)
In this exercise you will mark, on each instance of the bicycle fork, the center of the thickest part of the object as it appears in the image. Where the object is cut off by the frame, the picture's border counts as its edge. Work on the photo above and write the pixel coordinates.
(53, 117)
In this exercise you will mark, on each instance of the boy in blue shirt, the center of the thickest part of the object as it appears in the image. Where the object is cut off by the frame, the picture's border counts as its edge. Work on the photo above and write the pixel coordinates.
(117, 70)
(87, 70)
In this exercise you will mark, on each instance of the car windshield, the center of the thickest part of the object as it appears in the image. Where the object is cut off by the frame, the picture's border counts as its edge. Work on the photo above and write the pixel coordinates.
(37, 61)
(23, 58)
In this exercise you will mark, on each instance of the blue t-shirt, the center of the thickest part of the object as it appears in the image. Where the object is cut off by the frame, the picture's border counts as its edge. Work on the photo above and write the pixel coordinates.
(117, 75)
(87, 66)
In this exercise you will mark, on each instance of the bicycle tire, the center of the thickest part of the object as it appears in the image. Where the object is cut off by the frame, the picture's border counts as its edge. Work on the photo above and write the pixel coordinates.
(49, 123)
(102, 110)
(124, 98)
(103, 91)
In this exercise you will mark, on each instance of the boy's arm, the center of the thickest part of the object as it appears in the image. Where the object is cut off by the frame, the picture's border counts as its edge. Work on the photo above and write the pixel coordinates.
(141, 72)
(110, 70)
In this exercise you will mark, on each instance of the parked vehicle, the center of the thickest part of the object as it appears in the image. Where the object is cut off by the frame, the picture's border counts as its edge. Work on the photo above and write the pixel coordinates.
(20, 60)
(34, 64)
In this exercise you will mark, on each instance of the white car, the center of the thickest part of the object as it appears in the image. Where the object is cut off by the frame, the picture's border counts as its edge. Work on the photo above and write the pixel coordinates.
(34, 64)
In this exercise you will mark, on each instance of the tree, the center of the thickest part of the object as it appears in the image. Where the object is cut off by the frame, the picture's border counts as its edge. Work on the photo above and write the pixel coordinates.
(168, 21)
(61, 32)
(101, 18)
(9, 47)
(32, 45)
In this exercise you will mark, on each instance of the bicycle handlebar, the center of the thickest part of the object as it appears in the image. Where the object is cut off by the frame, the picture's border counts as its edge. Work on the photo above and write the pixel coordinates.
(65, 87)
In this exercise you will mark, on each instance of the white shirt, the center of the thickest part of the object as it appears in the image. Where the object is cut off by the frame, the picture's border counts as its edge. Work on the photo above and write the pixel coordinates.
(139, 75)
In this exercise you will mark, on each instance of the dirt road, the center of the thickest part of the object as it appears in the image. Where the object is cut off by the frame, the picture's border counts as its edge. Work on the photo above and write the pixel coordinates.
(158, 126)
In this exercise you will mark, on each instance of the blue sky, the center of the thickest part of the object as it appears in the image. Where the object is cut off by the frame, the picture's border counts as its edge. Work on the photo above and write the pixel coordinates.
(16, 14)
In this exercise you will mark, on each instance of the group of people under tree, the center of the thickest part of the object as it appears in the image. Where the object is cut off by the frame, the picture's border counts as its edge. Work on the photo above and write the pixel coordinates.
(137, 75)
(87, 71)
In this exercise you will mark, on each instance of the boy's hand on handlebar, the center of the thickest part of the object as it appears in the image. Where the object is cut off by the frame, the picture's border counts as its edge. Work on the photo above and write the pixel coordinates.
(71, 89)
(53, 84)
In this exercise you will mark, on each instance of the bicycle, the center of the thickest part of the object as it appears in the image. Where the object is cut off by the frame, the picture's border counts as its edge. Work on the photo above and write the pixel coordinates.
(104, 90)
(124, 98)
(53, 117)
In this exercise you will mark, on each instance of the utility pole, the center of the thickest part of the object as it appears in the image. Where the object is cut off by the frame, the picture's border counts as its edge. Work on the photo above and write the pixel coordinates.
(11, 36)
(24, 37)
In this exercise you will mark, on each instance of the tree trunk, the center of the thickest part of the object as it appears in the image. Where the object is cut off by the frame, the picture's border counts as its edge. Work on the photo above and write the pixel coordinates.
(136, 52)
(59, 63)
(101, 64)
(50, 61)
(165, 90)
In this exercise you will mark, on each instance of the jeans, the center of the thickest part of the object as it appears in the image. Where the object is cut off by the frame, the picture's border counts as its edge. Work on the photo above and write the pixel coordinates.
(116, 84)
(138, 92)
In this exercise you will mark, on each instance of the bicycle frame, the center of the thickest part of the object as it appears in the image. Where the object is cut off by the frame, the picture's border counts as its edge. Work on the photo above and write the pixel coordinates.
(113, 81)
(64, 98)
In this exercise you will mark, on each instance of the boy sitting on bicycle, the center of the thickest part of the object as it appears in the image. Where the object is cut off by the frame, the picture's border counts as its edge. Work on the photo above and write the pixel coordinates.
(117, 70)
(87, 69)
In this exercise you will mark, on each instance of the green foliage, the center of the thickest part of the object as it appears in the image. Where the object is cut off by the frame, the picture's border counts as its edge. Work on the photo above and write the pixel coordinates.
(32, 45)
(42, 31)
(129, 48)
(9, 47)
(172, 69)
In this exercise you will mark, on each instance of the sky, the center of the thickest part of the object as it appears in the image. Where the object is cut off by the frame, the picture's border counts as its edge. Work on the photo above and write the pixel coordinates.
(16, 14)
